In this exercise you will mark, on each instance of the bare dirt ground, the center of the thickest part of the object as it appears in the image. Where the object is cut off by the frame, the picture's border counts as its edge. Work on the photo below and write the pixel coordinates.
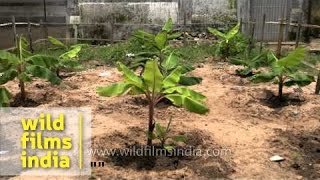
(242, 118)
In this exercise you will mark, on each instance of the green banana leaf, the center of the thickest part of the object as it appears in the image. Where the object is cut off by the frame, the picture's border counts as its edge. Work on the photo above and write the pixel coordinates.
(43, 60)
(8, 58)
(8, 75)
(263, 77)
(153, 77)
(170, 62)
(190, 104)
(5, 97)
(234, 31)
(299, 79)
(72, 53)
(129, 75)
(189, 80)
(217, 33)
(293, 59)
(173, 78)
(114, 90)
(161, 40)
(186, 92)
(57, 42)
(43, 73)
(168, 26)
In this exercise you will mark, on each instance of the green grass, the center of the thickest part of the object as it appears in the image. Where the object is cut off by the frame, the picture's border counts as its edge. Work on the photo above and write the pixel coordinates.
(194, 53)
(110, 54)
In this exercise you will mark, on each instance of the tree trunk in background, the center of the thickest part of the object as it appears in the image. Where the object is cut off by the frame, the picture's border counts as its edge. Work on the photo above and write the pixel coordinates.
(318, 84)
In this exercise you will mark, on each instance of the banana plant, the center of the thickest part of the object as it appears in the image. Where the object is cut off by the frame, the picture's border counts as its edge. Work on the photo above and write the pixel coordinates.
(68, 59)
(157, 46)
(225, 42)
(250, 64)
(285, 71)
(22, 65)
(156, 86)
(312, 66)
(163, 135)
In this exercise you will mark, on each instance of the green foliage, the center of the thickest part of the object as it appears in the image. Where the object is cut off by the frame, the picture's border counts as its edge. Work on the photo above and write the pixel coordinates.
(194, 53)
(251, 63)
(22, 65)
(312, 66)
(162, 134)
(286, 71)
(156, 86)
(5, 97)
(69, 58)
(230, 43)
(156, 46)
(110, 54)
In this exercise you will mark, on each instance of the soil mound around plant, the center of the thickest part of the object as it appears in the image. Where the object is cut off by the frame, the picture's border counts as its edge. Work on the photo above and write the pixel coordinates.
(128, 151)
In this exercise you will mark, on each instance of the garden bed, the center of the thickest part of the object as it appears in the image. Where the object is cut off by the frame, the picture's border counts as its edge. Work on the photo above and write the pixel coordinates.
(240, 119)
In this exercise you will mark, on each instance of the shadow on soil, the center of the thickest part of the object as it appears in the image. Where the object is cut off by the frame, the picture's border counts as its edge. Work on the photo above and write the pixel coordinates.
(144, 158)
(273, 101)
(303, 151)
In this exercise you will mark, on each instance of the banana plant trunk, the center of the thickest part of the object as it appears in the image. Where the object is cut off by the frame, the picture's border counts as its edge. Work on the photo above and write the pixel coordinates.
(151, 123)
(21, 84)
(318, 84)
(22, 91)
(280, 90)
(58, 72)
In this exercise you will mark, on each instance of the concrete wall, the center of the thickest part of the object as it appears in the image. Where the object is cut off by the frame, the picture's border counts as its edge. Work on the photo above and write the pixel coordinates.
(212, 11)
(119, 11)
(149, 12)
(128, 12)
(33, 9)
(155, 11)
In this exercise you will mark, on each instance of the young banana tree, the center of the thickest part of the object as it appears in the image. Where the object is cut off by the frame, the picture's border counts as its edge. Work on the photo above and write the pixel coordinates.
(250, 63)
(157, 46)
(23, 66)
(225, 40)
(162, 134)
(156, 86)
(68, 59)
(286, 71)
(312, 66)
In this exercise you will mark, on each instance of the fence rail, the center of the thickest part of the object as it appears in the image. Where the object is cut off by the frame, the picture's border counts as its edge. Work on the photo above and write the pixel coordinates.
(182, 27)
(73, 31)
